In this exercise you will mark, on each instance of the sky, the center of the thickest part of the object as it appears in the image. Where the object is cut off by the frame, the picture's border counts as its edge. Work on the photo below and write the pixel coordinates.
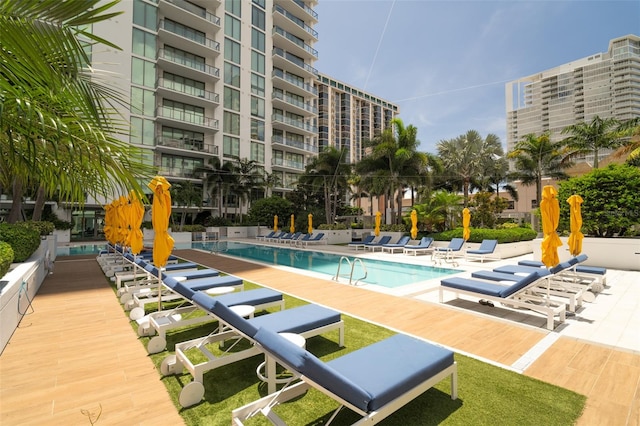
(445, 63)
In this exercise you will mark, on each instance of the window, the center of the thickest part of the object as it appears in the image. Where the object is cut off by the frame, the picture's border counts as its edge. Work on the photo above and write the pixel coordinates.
(257, 152)
(257, 40)
(143, 102)
(257, 129)
(231, 98)
(257, 62)
(231, 51)
(260, 3)
(143, 72)
(230, 147)
(231, 74)
(534, 204)
(231, 123)
(142, 131)
(257, 107)
(144, 44)
(257, 18)
(183, 84)
(232, 27)
(233, 6)
(510, 205)
(145, 15)
(257, 84)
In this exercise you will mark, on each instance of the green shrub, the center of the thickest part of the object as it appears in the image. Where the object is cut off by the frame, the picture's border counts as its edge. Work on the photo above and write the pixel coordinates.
(22, 239)
(6, 258)
(194, 228)
(510, 235)
(334, 227)
(43, 227)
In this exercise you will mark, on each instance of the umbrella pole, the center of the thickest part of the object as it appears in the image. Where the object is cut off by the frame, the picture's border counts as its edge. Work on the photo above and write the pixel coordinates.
(159, 289)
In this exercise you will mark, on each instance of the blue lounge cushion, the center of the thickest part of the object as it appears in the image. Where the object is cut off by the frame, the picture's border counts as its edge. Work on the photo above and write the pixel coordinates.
(194, 275)
(401, 242)
(454, 245)
(425, 242)
(591, 269)
(383, 240)
(486, 247)
(191, 286)
(494, 276)
(489, 288)
(297, 320)
(259, 296)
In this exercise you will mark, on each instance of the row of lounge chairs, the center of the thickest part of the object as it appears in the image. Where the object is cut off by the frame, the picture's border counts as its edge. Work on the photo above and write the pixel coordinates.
(550, 292)
(296, 238)
(363, 380)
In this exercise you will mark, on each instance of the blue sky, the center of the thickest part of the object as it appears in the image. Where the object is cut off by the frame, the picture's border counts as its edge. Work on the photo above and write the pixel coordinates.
(445, 63)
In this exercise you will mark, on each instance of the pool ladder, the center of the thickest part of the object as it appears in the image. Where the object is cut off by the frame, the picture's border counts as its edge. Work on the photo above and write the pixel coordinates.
(351, 266)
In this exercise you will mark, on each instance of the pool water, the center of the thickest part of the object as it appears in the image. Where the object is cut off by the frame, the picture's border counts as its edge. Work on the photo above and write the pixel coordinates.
(378, 272)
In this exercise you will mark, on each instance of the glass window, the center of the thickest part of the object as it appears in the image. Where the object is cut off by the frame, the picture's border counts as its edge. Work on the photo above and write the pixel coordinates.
(143, 72)
(233, 6)
(142, 131)
(231, 123)
(257, 62)
(183, 84)
(257, 152)
(257, 18)
(231, 74)
(257, 107)
(145, 15)
(231, 98)
(144, 43)
(230, 147)
(257, 39)
(260, 3)
(231, 50)
(232, 27)
(257, 129)
(143, 101)
(257, 84)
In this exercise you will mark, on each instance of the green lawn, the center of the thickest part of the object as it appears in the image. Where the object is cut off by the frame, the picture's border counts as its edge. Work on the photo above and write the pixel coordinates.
(486, 394)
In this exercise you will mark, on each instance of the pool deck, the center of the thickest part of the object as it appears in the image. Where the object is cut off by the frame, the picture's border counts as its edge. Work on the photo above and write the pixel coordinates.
(76, 350)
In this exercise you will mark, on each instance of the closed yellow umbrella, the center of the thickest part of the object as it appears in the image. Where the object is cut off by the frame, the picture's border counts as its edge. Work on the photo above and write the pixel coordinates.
(108, 223)
(310, 227)
(122, 220)
(292, 227)
(160, 214)
(136, 214)
(466, 221)
(376, 230)
(576, 237)
(414, 224)
(550, 211)
(275, 222)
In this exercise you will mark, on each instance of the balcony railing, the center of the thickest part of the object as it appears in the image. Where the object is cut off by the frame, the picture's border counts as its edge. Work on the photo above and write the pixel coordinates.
(309, 88)
(188, 90)
(196, 10)
(290, 100)
(190, 35)
(187, 117)
(298, 165)
(295, 40)
(182, 60)
(186, 144)
(296, 20)
(296, 61)
(306, 8)
(295, 123)
(294, 143)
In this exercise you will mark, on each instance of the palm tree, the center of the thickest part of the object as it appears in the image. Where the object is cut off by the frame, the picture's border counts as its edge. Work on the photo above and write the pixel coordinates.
(185, 195)
(537, 157)
(590, 138)
(464, 157)
(249, 178)
(217, 177)
(632, 148)
(57, 121)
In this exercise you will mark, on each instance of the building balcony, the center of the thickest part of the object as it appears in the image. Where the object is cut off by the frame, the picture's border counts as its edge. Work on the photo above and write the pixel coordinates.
(287, 61)
(188, 40)
(279, 121)
(293, 44)
(186, 119)
(291, 84)
(184, 66)
(282, 101)
(310, 13)
(185, 146)
(290, 22)
(280, 164)
(190, 14)
(294, 145)
(169, 89)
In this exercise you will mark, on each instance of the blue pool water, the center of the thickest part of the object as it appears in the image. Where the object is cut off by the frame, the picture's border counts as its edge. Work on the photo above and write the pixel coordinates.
(382, 273)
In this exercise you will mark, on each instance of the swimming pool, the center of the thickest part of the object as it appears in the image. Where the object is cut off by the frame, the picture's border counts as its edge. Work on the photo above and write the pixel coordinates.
(378, 272)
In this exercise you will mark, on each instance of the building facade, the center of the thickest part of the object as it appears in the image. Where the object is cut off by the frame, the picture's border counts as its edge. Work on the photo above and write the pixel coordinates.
(603, 84)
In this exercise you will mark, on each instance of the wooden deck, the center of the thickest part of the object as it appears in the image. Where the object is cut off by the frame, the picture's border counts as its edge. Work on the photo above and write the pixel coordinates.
(77, 350)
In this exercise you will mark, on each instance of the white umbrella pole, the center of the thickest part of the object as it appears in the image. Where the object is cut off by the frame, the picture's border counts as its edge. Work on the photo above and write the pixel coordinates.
(159, 289)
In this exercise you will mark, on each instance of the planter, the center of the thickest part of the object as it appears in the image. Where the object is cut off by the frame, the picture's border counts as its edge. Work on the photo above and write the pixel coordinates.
(614, 253)
(63, 236)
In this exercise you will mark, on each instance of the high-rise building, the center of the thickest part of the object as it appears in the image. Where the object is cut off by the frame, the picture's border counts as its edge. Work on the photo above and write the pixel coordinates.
(603, 84)
(348, 116)
(217, 79)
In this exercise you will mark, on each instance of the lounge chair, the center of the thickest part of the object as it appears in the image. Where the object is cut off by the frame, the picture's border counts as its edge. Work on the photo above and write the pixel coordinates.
(487, 248)
(275, 237)
(289, 237)
(397, 246)
(139, 273)
(448, 254)
(266, 237)
(361, 244)
(423, 247)
(315, 239)
(374, 381)
(378, 244)
(187, 313)
(306, 320)
(578, 270)
(514, 295)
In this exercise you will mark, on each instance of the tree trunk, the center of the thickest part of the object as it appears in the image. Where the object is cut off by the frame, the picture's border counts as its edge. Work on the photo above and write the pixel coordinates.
(16, 205)
(39, 205)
